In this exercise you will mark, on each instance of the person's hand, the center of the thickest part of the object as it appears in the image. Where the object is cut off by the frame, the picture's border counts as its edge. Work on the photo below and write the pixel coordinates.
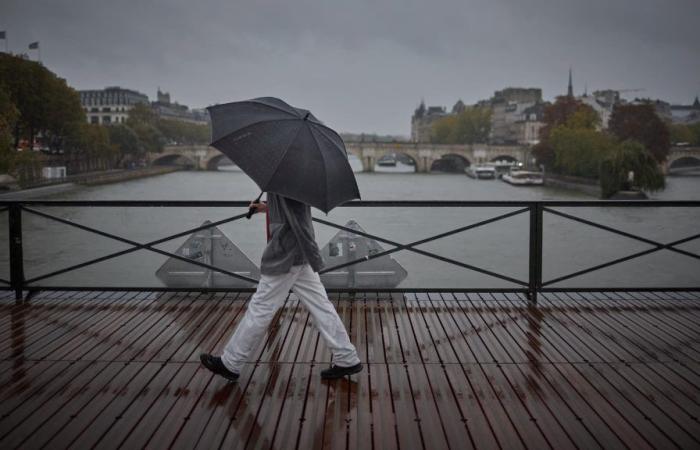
(259, 207)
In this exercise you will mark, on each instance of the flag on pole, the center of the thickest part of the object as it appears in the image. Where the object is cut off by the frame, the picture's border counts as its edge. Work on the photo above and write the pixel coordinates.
(34, 45)
(2, 35)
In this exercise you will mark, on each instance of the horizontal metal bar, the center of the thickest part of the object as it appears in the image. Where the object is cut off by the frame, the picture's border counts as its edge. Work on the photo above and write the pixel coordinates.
(365, 203)
(621, 289)
(368, 290)
(4, 281)
(222, 289)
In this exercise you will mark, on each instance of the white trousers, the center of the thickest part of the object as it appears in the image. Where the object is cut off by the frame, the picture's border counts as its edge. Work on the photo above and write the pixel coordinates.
(271, 292)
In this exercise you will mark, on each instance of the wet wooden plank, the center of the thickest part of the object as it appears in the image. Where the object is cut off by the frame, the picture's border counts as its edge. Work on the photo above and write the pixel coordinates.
(217, 332)
(167, 412)
(46, 325)
(213, 411)
(570, 374)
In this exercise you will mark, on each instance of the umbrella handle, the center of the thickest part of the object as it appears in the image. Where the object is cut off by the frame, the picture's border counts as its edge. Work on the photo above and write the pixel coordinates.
(251, 210)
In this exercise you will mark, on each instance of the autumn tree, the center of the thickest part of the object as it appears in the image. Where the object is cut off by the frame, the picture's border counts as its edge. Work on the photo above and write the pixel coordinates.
(568, 112)
(470, 126)
(641, 123)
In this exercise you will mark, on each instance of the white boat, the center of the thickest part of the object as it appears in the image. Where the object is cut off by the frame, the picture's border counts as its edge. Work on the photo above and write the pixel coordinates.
(524, 178)
(481, 172)
(387, 161)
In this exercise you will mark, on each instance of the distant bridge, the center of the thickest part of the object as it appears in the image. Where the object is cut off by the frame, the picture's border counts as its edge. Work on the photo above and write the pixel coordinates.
(424, 156)
(682, 159)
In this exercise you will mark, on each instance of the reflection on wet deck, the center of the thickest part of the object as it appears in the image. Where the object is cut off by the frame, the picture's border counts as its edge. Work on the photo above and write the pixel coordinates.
(108, 369)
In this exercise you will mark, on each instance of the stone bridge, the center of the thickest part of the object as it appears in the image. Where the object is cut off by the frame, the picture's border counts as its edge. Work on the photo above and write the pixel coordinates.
(200, 157)
(682, 159)
(424, 156)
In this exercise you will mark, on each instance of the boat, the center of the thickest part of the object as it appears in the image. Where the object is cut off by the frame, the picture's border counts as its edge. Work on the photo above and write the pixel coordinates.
(481, 172)
(387, 161)
(524, 178)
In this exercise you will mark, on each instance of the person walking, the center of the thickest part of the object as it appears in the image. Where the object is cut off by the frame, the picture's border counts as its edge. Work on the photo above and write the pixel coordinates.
(291, 260)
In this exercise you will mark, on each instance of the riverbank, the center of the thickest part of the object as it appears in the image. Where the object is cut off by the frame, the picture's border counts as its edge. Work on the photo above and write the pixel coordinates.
(584, 185)
(125, 175)
(87, 179)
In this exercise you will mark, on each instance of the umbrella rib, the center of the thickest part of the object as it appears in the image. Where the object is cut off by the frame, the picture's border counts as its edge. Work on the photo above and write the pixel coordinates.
(326, 136)
(325, 171)
(291, 141)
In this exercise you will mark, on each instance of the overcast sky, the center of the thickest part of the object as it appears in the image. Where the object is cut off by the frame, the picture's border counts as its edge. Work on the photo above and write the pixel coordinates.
(363, 66)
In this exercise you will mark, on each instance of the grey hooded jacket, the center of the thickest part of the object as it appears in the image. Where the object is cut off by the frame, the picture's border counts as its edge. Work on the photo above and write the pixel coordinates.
(292, 239)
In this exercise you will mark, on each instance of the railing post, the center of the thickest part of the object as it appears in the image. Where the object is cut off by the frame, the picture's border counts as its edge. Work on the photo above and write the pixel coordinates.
(535, 283)
(16, 258)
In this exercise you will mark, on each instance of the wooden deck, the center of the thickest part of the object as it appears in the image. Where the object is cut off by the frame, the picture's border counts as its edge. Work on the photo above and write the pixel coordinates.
(109, 370)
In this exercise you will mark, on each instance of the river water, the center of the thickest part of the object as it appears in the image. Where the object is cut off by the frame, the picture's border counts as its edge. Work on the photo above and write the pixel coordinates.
(501, 247)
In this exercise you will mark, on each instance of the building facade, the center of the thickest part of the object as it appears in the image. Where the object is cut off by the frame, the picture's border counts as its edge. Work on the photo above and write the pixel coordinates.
(512, 115)
(110, 105)
(165, 108)
(422, 121)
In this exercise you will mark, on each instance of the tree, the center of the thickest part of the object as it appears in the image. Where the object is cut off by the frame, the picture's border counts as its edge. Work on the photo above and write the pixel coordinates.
(8, 116)
(144, 122)
(641, 123)
(686, 134)
(47, 106)
(141, 113)
(578, 151)
(180, 132)
(625, 158)
(565, 111)
(127, 141)
(470, 126)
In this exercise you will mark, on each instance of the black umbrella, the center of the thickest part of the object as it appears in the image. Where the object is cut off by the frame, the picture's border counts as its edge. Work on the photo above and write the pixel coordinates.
(285, 150)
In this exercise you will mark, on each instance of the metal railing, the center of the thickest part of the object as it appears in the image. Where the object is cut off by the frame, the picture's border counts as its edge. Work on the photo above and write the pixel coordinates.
(531, 287)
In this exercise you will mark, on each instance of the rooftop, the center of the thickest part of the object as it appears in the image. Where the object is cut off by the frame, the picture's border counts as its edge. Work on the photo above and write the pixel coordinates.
(120, 369)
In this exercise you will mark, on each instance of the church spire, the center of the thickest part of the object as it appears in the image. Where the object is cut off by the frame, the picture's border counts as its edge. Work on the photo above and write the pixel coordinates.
(570, 92)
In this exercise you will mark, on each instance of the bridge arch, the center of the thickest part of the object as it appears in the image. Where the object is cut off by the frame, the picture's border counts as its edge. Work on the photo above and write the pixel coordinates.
(505, 158)
(385, 159)
(684, 162)
(215, 162)
(174, 159)
(450, 162)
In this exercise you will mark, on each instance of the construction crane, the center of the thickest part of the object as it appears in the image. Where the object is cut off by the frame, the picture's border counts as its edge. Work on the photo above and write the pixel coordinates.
(630, 90)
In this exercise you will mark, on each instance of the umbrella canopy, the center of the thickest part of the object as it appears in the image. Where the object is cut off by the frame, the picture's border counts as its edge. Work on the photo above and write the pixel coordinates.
(285, 150)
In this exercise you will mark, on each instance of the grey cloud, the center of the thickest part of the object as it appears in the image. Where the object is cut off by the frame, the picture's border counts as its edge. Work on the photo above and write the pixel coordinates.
(364, 65)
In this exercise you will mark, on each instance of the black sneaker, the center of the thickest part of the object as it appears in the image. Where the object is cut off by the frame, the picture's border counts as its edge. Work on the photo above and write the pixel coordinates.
(215, 364)
(339, 371)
